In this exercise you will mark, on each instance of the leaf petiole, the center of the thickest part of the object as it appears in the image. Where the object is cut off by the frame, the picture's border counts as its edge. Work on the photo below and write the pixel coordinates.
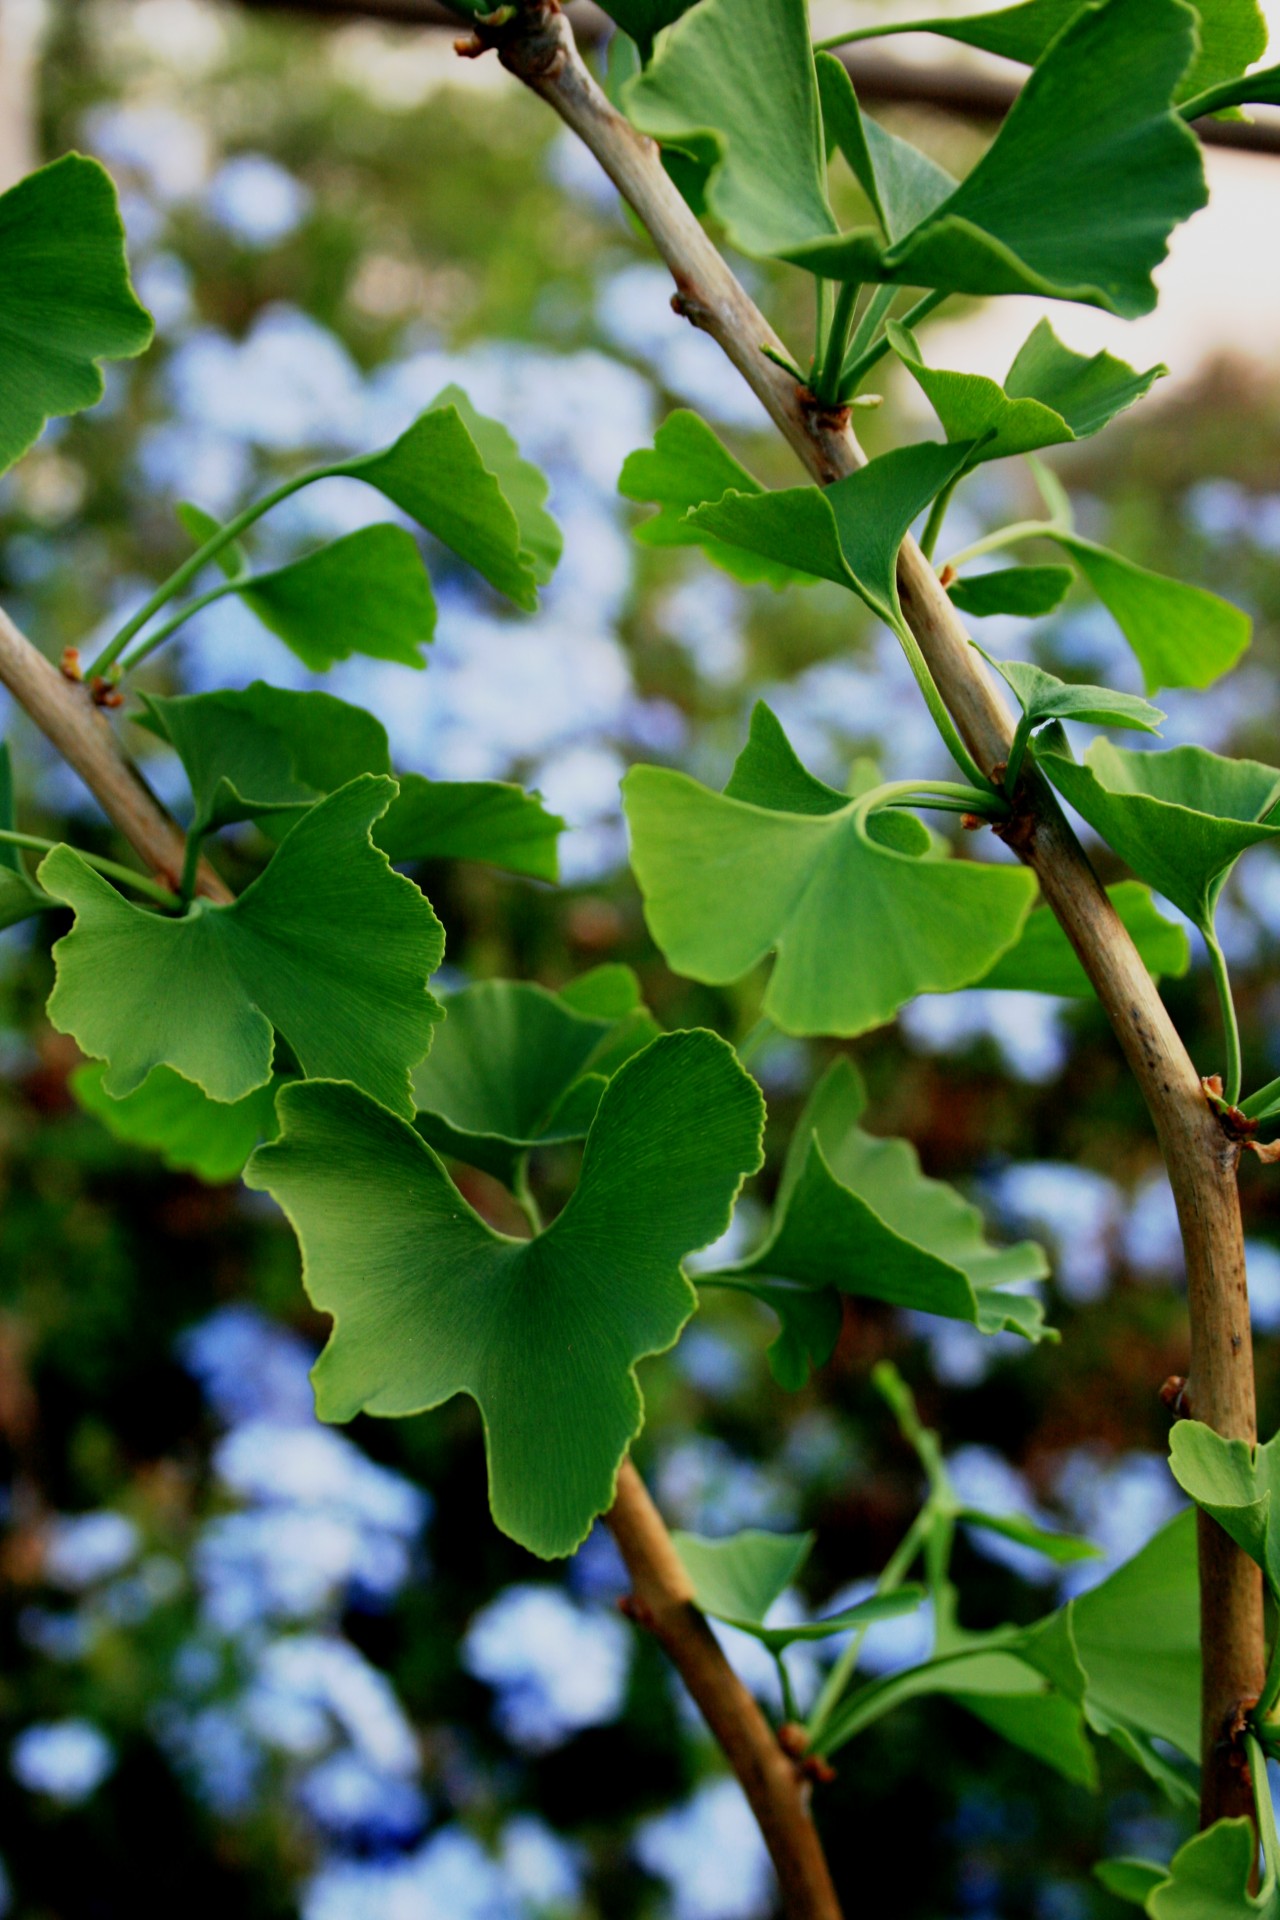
(855, 369)
(155, 640)
(1002, 537)
(830, 373)
(1222, 984)
(111, 869)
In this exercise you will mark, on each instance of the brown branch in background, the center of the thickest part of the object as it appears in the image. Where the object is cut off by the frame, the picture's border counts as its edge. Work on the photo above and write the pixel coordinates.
(662, 1601)
(65, 713)
(1201, 1160)
(971, 91)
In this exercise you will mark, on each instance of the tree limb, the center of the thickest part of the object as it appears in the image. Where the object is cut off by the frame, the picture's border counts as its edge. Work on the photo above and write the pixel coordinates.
(663, 1603)
(65, 713)
(1201, 1161)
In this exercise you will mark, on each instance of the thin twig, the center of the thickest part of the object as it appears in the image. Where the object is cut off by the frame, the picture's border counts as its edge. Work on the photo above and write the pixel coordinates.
(1201, 1160)
(65, 713)
(663, 1602)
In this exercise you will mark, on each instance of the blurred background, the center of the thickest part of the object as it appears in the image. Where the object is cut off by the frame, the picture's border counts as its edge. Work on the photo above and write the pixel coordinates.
(253, 1664)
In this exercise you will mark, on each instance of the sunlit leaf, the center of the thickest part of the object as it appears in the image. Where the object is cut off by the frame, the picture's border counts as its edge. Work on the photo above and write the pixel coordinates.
(1093, 126)
(738, 1580)
(329, 947)
(170, 1116)
(265, 750)
(1025, 591)
(849, 532)
(1044, 961)
(524, 486)
(1183, 636)
(855, 1214)
(488, 820)
(1237, 1484)
(1050, 394)
(686, 466)
(1208, 1879)
(1180, 818)
(544, 1334)
(68, 304)
(514, 1068)
(732, 84)
(367, 593)
(859, 926)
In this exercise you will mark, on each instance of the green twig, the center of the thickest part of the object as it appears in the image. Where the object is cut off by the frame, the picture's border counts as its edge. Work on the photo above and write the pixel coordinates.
(162, 633)
(853, 374)
(830, 372)
(112, 869)
(1002, 537)
(895, 1572)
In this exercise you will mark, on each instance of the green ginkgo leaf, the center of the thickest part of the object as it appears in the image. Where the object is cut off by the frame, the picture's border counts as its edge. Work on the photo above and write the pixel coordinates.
(367, 593)
(1232, 35)
(1027, 592)
(1252, 89)
(265, 750)
(68, 303)
(1050, 394)
(1094, 122)
(1044, 960)
(172, 1117)
(488, 820)
(861, 912)
(1209, 1878)
(20, 897)
(1044, 697)
(645, 19)
(1129, 1878)
(544, 1334)
(686, 466)
(329, 947)
(1239, 1485)
(732, 85)
(524, 486)
(740, 1578)
(1183, 635)
(514, 1068)
(1180, 818)
(1064, 1549)
(849, 532)
(232, 560)
(855, 1214)
(902, 184)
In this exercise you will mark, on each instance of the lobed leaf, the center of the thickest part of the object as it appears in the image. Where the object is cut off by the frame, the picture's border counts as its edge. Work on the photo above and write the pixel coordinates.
(855, 1214)
(1182, 635)
(1180, 818)
(488, 820)
(328, 947)
(68, 301)
(544, 1334)
(1093, 126)
(1050, 394)
(1209, 1878)
(1025, 591)
(172, 1117)
(513, 1068)
(1130, 1879)
(1235, 1483)
(1044, 961)
(738, 1580)
(366, 593)
(858, 924)
(1044, 697)
(645, 19)
(902, 184)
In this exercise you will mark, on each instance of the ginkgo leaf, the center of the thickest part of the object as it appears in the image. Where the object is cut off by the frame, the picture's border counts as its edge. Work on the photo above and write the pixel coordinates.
(738, 1580)
(645, 19)
(849, 532)
(454, 482)
(606, 992)
(328, 946)
(544, 1334)
(732, 84)
(856, 1214)
(1025, 591)
(1093, 125)
(488, 820)
(1180, 818)
(1064, 1549)
(1252, 89)
(1209, 1878)
(366, 593)
(1237, 1484)
(232, 560)
(20, 897)
(1129, 1878)
(514, 1068)
(265, 750)
(903, 184)
(172, 1117)
(1050, 394)
(1183, 635)
(686, 466)
(68, 303)
(1232, 35)
(1044, 960)
(859, 926)
(1044, 697)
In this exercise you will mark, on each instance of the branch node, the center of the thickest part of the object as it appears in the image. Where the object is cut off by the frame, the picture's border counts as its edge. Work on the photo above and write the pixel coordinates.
(1237, 1126)
(104, 694)
(638, 1611)
(793, 1739)
(1173, 1395)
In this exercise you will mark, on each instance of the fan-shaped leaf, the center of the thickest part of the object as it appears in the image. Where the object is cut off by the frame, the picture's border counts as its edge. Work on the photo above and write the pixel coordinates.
(170, 1116)
(1044, 961)
(1182, 635)
(903, 184)
(366, 593)
(544, 1334)
(1237, 1484)
(859, 926)
(1181, 818)
(328, 946)
(1208, 1878)
(487, 820)
(645, 19)
(738, 1579)
(1043, 697)
(1025, 591)
(514, 1068)
(856, 1214)
(68, 304)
